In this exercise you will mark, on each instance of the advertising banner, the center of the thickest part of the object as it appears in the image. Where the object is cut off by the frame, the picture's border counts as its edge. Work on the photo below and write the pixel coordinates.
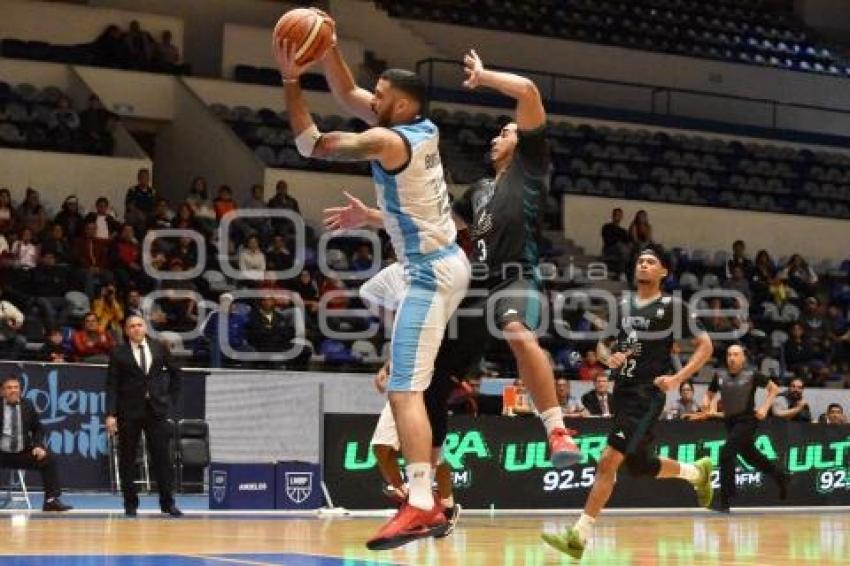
(503, 462)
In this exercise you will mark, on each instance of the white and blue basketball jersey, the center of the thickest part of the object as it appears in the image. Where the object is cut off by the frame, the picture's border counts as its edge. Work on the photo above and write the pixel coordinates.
(414, 199)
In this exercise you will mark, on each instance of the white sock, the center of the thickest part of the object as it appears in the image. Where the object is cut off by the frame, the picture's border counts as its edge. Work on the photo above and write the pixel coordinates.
(448, 502)
(688, 472)
(552, 418)
(419, 485)
(584, 526)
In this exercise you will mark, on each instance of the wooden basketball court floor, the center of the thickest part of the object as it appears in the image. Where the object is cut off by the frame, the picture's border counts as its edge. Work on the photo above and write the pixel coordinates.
(768, 537)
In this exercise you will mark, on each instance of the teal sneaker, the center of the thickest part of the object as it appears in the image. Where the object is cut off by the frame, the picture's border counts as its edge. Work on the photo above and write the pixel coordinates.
(703, 485)
(569, 543)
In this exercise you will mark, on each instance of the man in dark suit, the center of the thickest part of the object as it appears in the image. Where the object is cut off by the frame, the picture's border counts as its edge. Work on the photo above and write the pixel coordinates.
(22, 442)
(598, 402)
(142, 383)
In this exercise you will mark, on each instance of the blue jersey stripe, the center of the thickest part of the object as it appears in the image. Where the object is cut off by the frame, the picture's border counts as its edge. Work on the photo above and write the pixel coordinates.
(408, 228)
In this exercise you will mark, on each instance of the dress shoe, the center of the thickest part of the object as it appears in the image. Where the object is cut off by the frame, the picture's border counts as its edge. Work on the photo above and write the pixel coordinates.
(173, 511)
(55, 505)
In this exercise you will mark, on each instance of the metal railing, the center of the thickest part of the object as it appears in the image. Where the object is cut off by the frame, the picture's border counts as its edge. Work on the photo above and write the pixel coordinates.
(447, 74)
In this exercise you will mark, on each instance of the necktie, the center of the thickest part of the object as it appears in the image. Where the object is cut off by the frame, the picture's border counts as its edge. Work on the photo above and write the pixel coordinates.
(142, 361)
(605, 406)
(13, 446)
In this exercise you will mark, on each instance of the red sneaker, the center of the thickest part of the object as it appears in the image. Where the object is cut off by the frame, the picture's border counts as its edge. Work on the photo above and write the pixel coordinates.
(563, 450)
(409, 524)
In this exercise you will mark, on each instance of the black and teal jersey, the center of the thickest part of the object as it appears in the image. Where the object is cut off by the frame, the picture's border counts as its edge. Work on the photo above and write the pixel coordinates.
(504, 215)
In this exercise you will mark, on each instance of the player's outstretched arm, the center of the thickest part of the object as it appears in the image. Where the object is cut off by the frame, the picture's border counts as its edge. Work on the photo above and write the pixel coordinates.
(378, 144)
(352, 216)
(530, 113)
(356, 100)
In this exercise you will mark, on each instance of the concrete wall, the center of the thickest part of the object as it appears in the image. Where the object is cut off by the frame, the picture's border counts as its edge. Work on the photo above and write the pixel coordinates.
(70, 24)
(133, 94)
(196, 143)
(251, 45)
(710, 229)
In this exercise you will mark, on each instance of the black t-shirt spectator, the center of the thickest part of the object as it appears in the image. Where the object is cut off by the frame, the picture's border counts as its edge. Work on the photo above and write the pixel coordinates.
(613, 236)
(143, 198)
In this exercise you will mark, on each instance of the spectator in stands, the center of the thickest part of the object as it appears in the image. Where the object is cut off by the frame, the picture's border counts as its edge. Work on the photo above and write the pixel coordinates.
(334, 285)
(590, 366)
(56, 243)
(140, 46)
(202, 207)
(259, 226)
(224, 202)
(64, 124)
(306, 287)
(278, 256)
(133, 307)
(90, 256)
(25, 251)
(69, 218)
(142, 195)
(686, 404)
(162, 216)
(800, 276)
(524, 404)
(737, 281)
(267, 329)
(802, 359)
(789, 405)
(186, 251)
(12, 343)
(109, 312)
(716, 321)
(126, 258)
(52, 350)
(50, 282)
(640, 230)
(109, 48)
(237, 321)
(834, 415)
(8, 215)
(90, 343)
(180, 309)
(362, 259)
(167, 55)
(569, 405)
(779, 290)
(106, 226)
(838, 332)
(96, 124)
(615, 243)
(739, 259)
(598, 402)
(31, 213)
(4, 249)
(185, 219)
(252, 260)
(283, 201)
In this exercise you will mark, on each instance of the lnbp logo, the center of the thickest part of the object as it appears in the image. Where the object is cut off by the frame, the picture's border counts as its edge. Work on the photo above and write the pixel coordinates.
(299, 486)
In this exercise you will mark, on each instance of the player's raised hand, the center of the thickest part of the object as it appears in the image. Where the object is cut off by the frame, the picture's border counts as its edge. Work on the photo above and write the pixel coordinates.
(285, 55)
(354, 215)
(761, 414)
(472, 67)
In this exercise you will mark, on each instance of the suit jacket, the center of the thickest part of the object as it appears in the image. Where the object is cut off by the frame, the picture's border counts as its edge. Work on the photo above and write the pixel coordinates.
(127, 384)
(591, 402)
(30, 423)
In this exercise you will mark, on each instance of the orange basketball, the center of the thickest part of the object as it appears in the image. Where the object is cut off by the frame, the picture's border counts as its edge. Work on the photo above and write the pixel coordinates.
(311, 30)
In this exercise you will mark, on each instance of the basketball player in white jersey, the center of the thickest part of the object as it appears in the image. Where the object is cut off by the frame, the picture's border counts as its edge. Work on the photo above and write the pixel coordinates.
(402, 147)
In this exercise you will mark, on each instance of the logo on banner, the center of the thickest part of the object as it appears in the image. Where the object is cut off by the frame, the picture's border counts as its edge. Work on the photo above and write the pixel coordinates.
(219, 485)
(299, 486)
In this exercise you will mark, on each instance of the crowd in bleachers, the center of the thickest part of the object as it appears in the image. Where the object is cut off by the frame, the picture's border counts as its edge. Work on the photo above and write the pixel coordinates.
(744, 31)
(45, 119)
(70, 278)
(601, 161)
(133, 48)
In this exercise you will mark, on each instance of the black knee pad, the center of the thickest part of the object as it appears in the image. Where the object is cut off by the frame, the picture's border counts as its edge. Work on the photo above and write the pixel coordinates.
(642, 464)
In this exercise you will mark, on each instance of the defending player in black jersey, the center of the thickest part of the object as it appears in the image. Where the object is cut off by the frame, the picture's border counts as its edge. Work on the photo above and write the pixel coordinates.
(737, 389)
(645, 325)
